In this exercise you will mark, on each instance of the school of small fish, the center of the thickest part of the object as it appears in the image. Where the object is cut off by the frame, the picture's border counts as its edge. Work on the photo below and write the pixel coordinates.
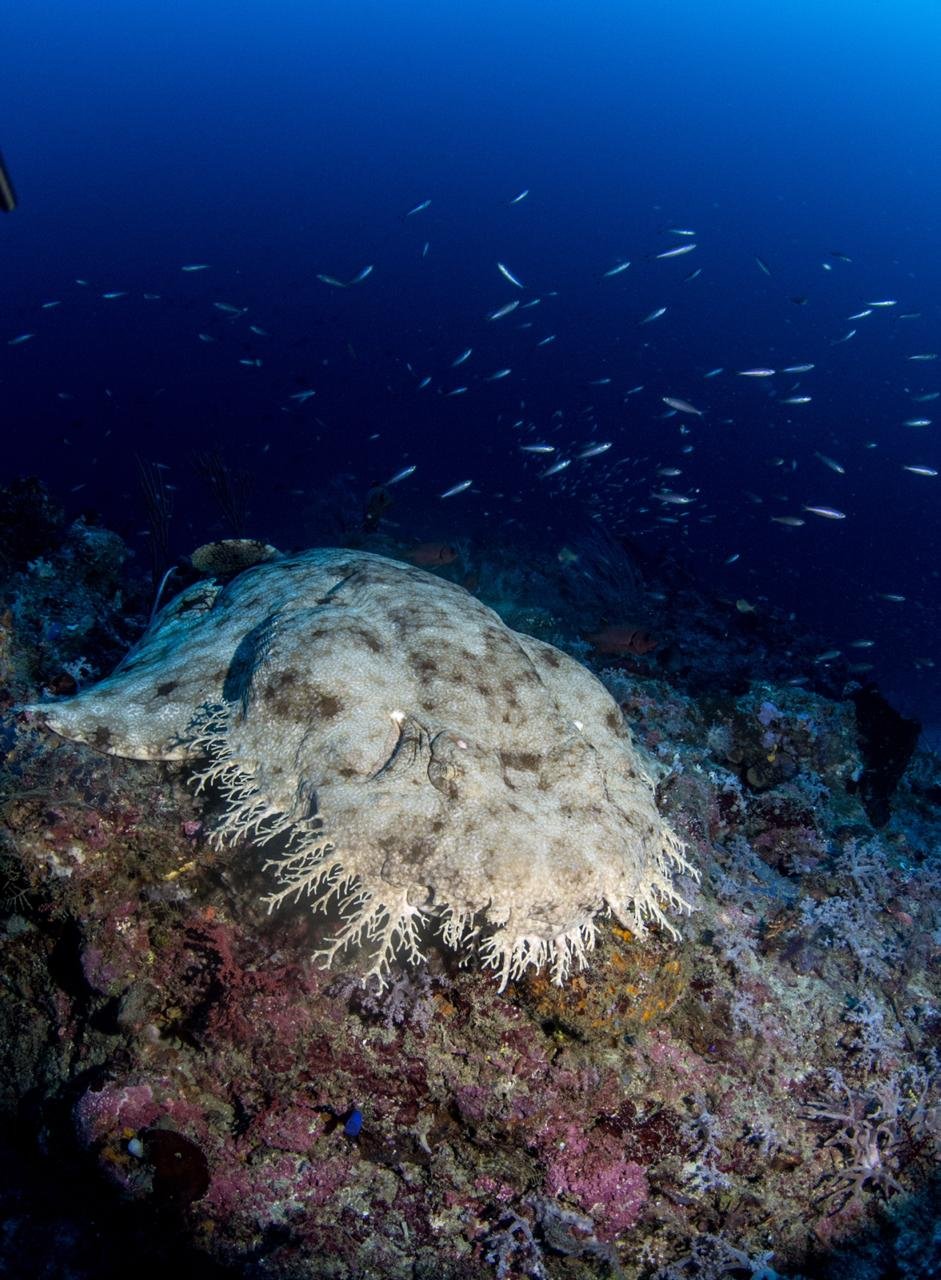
(585, 450)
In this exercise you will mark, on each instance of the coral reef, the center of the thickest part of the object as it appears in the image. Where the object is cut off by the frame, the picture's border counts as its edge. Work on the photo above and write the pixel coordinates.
(181, 1082)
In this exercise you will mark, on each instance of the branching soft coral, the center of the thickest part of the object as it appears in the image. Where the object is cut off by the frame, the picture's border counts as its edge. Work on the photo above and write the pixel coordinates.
(873, 1131)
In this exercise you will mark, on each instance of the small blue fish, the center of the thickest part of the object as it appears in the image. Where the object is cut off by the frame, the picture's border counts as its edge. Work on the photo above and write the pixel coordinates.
(354, 1122)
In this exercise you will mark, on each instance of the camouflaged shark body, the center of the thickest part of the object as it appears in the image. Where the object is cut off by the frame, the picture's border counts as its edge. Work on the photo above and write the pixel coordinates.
(400, 751)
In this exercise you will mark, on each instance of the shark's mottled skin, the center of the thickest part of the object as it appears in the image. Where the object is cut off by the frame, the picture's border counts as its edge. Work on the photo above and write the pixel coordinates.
(398, 749)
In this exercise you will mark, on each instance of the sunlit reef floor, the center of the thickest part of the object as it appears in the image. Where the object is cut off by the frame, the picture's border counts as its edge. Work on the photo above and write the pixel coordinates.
(181, 1086)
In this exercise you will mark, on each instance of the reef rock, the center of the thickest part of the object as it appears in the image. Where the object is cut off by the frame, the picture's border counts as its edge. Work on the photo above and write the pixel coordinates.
(402, 753)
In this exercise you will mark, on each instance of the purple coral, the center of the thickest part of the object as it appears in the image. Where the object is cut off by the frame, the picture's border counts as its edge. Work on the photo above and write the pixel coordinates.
(871, 1131)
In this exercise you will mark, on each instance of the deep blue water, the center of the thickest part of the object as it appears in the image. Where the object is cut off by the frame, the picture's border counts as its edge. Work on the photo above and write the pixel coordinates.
(281, 141)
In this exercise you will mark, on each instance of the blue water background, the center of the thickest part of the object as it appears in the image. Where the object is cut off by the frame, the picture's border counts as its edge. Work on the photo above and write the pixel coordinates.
(277, 141)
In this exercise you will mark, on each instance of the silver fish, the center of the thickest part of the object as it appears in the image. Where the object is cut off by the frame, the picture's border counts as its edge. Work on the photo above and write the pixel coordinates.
(677, 252)
(831, 463)
(457, 488)
(504, 310)
(828, 513)
(672, 499)
(402, 475)
(508, 275)
(556, 468)
(681, 406)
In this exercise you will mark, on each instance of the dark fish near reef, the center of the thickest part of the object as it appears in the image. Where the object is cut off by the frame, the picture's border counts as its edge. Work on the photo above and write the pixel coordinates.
(623, 639)
(429, 554)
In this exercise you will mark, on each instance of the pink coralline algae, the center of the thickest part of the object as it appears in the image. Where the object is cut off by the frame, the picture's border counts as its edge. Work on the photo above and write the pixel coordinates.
(106, 1113)
(591, 1170)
